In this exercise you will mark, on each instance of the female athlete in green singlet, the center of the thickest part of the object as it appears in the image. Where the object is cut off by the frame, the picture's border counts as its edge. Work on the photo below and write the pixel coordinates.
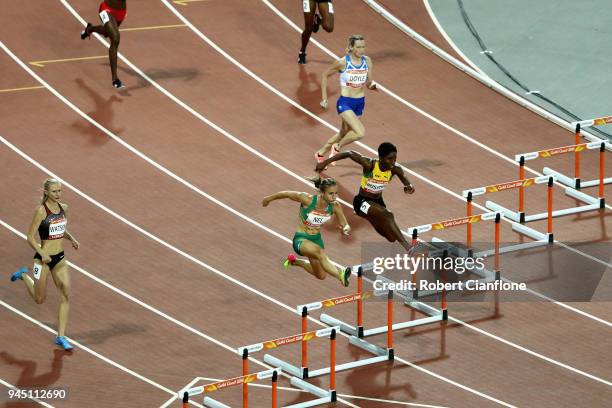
(315, 210)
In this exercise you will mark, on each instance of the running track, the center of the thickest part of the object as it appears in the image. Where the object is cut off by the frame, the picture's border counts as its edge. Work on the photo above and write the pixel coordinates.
(180, 263)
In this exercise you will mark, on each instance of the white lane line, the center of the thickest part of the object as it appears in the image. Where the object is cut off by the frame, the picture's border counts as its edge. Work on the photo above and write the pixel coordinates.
(85, 348)
(484, 79)
(393, 402)
(140, 303)
(20, 400)
(156, 164)
(206, 266)
(448, 39)
(295, 390)
(171, 400)
(218, 128)
(317, 118)
(410, 105)
(148, 159)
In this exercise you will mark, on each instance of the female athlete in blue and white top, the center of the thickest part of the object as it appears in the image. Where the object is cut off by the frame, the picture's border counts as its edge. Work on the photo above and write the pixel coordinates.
(356, 71)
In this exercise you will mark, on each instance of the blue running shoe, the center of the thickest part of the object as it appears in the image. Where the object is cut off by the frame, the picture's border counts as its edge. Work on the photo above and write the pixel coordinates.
(62, 341)
(17, 275)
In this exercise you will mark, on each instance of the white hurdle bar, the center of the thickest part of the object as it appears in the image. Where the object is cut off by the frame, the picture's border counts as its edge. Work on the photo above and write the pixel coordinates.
(576, 182)
(448, 249)
(519, 216)
(605, 120)
(359, 332)
(303, 372)
(324, 396)
(206, 389)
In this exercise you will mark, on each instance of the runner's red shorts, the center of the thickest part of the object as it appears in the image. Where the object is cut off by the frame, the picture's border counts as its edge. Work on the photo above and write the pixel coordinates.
(118, 14)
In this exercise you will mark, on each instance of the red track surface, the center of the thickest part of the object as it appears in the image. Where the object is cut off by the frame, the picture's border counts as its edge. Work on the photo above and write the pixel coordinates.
(185, 288)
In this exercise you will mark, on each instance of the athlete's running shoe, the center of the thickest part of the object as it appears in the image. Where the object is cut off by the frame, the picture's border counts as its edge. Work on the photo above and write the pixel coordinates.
(85, 33)
(316, 23)
(17, 275)
(62, 341)
(302, 58)
(118, 84)
(345, 275)
(291, 258)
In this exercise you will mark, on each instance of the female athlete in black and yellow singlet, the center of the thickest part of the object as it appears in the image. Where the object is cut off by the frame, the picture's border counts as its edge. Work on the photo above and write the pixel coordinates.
(315, 210)
(368, 203)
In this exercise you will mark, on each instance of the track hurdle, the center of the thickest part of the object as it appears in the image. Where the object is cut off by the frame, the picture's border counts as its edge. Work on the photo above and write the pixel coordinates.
(231, 382)
(519, 216)
(358, 298)
(358, 332)
(575, 183)
(606, 120)
(381, 354)
(484, 274)
(325, 396)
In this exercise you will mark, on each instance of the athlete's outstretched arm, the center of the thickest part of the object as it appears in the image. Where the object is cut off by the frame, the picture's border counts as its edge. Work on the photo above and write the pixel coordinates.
(302, 198)
(343, 223)
(399, 172)
(365, 162)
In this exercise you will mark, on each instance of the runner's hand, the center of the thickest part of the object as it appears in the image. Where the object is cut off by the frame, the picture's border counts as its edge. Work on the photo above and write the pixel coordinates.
(409, 189)
(346, 230)
(320, 167)
(323, 103)
(75, 243)
(46, 259)
(372, 86)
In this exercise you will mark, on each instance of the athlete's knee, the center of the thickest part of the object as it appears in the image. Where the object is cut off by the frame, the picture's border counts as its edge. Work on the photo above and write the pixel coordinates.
(64, 294)
(359, 133)
(328, 25)
(114, 37)
(320, 274)
(40, 299)
(318, 254)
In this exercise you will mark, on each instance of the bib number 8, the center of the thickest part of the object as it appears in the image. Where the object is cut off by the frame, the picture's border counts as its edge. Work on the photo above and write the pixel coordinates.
(37, 270)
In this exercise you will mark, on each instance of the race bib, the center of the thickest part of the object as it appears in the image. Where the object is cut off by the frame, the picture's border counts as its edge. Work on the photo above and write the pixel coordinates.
(317, 219)
(57, 228)
(331, 7)
(104, 17)
(37, 270)
(357, 77)
(365, 206)
(375, 186)
(306, 6)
